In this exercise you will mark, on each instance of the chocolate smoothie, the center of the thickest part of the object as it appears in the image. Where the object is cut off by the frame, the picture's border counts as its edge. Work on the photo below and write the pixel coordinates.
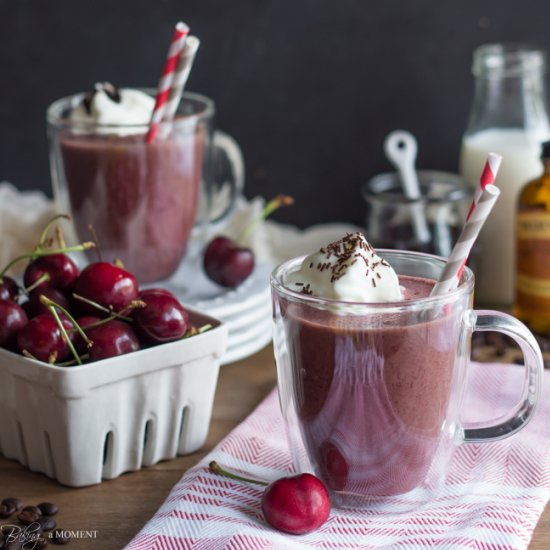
(141, 198)
(371, 392)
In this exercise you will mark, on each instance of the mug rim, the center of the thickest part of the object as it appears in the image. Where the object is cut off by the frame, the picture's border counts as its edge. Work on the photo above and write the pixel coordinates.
(465, 287)
(55, 117)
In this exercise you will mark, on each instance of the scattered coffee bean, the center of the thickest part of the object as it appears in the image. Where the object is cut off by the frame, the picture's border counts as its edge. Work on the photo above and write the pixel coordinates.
(59, 537)
(5, 511)
(48, 508)
(46, 523)
(28, 516)
(40, 543)
(33, 510)
(13, 503)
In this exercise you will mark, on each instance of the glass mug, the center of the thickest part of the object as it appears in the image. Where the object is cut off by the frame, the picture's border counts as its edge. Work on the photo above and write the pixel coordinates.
(143, 199)
(371, 393)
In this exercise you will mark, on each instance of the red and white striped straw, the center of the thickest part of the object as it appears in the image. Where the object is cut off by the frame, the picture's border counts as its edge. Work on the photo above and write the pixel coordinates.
(165, 83)
(488, 176)
(181, 75)
(484, 200)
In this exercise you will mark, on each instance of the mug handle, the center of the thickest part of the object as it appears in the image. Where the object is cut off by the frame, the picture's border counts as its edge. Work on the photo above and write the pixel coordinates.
(486, 320)
(229, 186)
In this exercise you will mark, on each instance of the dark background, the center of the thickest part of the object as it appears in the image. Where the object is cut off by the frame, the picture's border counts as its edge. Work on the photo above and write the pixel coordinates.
(309, 88)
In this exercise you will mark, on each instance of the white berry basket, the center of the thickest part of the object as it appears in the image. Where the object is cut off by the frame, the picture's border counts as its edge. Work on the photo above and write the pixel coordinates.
(83, 424)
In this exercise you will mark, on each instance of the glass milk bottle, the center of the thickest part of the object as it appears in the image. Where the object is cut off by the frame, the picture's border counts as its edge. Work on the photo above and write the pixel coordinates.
(509, 117)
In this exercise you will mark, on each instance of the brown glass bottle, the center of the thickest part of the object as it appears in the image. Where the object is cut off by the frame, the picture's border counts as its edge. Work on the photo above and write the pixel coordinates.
(532, 304)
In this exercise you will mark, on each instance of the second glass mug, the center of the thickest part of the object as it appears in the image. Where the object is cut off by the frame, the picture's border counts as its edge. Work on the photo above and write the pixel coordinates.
(143, 199)
(372, 393)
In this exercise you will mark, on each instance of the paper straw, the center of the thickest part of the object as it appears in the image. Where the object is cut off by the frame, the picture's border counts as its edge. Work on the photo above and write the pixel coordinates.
(459, 255)
(165, 83)
(181, 74)
(487, 178)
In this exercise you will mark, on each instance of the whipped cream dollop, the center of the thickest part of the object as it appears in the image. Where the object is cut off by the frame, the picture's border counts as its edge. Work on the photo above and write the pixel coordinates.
(107, 105)
(348, 270)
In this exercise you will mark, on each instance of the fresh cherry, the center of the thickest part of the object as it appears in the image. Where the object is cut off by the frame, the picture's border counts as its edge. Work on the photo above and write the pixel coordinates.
(226, 263)
(57, 270)
(41, 337)
(34, 306)
(8, 289)
(111, 339)
(162, 319)
(12, 319)
(106, 284)
(298, 504)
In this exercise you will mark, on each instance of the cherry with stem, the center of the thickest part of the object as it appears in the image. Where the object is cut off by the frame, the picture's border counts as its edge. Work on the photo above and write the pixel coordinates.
(297, 505)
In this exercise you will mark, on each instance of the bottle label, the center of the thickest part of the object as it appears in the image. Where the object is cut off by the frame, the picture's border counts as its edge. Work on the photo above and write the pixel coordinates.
(533, 261)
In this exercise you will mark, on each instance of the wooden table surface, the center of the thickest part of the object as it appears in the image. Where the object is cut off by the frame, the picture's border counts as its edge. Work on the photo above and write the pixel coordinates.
(114, 511)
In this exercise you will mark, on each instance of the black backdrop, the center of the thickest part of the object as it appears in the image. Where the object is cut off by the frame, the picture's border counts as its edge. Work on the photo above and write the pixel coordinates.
(309, 88)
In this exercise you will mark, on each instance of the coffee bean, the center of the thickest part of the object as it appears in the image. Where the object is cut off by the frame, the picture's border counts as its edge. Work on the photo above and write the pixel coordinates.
(13, 503)
(40, 543)
(59, 537)
(26, 517)
(48, 508)
(46, 523)
(32, 510)
(5, 511)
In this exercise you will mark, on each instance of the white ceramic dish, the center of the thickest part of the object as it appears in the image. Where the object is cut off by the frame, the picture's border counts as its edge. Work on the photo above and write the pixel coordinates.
(83, 424)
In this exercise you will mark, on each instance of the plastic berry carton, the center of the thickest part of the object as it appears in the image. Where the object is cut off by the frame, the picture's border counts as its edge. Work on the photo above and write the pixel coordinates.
(83, 424)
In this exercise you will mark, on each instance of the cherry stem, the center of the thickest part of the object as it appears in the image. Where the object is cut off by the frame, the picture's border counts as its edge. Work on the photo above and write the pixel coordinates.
(40, 253)
(72, 362)
(46, 229)
(96, 241)
(64, 332)
(49, 303)
(60, 237)
(103, 308)
(269, 208)
(43, 279)
(217, 469)
(28, 354)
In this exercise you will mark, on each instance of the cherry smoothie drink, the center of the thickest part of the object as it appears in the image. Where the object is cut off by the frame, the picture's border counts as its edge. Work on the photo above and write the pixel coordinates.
(373, 393)
(372, 370)
(140, 198)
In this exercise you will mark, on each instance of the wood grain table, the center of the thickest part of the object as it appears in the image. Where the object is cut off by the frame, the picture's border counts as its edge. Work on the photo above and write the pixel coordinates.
(114, 511)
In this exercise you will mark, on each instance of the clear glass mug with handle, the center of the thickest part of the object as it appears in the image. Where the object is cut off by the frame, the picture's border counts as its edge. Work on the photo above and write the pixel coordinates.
(143, 200)
(372, 392)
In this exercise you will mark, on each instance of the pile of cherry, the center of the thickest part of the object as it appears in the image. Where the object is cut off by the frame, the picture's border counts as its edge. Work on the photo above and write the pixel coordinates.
(65, 317)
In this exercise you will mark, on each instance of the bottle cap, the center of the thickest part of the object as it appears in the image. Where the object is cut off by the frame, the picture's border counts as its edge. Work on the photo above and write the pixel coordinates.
(545, 153)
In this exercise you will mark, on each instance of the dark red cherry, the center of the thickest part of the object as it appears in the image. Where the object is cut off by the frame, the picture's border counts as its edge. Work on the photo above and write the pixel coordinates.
(8, 289)
(111, 339)
(12, 319)
(84, 323)
(226, 263)
(42, 338)
(107, 285)
(297, 504)
(34, 306)
(60, 270)
(163, 319)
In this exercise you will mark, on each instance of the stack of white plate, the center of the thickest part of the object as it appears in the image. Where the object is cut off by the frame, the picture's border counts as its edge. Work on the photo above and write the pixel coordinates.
(246, 310)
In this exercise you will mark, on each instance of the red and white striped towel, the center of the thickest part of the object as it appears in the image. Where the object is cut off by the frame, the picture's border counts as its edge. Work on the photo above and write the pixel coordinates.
(492, 498)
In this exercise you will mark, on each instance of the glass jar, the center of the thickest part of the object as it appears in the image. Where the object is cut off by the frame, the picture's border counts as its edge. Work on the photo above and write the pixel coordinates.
(508, 116)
